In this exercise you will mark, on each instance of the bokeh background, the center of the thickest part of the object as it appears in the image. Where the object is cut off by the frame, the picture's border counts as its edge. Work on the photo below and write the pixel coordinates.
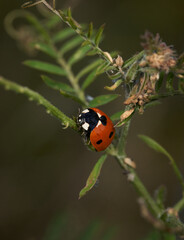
(43, 167)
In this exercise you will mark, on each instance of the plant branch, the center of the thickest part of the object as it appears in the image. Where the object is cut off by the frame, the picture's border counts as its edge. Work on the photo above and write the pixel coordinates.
(32, 95)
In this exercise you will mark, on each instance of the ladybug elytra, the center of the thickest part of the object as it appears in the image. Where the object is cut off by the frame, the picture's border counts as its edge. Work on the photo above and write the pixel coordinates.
(98, 128)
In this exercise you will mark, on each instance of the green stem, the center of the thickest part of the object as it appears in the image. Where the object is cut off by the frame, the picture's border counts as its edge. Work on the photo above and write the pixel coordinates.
(72, 80)
(176, 170)
(32, 95)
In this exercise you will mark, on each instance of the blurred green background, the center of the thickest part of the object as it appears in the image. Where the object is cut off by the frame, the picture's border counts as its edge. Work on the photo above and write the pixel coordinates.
(43, 167)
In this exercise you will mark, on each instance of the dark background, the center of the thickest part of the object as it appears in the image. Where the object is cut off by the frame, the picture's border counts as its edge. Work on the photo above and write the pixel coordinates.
(43, 167)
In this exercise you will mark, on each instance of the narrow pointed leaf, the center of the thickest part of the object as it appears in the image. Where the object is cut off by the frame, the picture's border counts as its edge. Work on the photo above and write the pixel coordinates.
(99, 35)
(160, 195)
(69, 45)
(38, 26)
(131, 73)
(89, 67)
(53, 21)
(103, 99)
(115, 85)
(69, 13)
(45, 48)
(57, 85)
(79, 54)
(93, 176)
(63, 34)
(46, 67)
(181, 85)
(153, 144)
(116, 116)
(159, 82)
(169, 82)
(90, 30)
(72, 96)
(90, 78)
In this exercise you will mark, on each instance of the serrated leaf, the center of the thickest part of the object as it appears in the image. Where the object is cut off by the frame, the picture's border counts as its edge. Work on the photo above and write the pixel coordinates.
(93, 176)
(46, 67)
(160, 196)
(99, 35)
(103, 99)
(63, 34)
(159, 82)
(90, 30)
(79, 54)
(57, 85)
(116, 116)
(46, 48)
(90, 78)
(69, 45)
(72, 96)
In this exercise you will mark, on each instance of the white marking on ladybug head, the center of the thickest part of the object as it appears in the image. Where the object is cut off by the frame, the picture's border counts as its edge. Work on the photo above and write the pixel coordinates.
(85, 111)
(85, 126)
(99, 123)
(99, 115)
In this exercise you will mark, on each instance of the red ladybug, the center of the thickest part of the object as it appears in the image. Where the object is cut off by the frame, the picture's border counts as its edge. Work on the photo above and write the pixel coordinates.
(98, 128)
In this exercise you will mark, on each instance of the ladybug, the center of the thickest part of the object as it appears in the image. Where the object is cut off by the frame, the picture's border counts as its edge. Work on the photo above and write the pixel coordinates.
(97, 127)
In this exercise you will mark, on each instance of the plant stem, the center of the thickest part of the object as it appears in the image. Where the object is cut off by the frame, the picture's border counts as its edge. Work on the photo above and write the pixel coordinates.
(72, 80)
(32, 95)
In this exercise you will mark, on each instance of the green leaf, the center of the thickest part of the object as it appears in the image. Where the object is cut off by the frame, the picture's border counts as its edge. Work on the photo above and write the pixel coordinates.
(99, 35)
(46, 48)
(93, 176)
(53, 21)
(156, 235)
(131, 73)
(90, 78)
(56, 227)
(69, 45)
(181, 85)
(88, 68)
(114, 86)
(57, 85)
(72, 96)
(103, 99)
(133, 59)
(159, 82)
(154, 145)
(160, 196)
(90, 30)
(46, 67)
(79, 54)
(90, 231)
(169, 82)
(116, 116)
(63, 34)
(38, 26)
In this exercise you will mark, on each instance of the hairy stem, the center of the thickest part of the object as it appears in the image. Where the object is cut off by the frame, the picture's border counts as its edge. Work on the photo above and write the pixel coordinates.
(32, 95)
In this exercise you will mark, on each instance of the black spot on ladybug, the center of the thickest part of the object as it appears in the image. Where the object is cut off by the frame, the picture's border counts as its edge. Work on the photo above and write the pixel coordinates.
(103, 119)
(99, 141)
(110, 135)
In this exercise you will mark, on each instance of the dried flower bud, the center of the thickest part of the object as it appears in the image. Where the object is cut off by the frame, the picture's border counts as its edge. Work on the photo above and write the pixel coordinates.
(130, 163)
(108, 56)
(119, 61)
(126, 114)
